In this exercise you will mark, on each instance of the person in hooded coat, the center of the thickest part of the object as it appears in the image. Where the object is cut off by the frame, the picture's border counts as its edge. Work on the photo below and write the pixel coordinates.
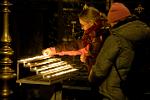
(118, 51)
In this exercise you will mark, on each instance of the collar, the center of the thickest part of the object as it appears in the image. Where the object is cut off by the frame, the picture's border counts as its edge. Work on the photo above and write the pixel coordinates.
(128, 19)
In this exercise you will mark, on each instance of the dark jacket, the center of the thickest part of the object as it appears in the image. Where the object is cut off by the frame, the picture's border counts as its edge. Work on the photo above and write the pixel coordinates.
(117, 51)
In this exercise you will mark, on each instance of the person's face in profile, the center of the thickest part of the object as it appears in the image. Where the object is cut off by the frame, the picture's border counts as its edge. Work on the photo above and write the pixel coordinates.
(85, 25)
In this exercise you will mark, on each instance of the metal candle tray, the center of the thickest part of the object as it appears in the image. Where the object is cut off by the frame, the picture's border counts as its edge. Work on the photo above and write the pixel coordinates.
(43, 70)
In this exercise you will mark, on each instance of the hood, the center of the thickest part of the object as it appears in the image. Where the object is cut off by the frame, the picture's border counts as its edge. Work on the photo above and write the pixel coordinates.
(133, 31)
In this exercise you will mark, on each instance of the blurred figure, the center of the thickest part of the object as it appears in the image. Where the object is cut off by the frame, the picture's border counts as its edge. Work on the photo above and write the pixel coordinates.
(92, 22)
(117, 52)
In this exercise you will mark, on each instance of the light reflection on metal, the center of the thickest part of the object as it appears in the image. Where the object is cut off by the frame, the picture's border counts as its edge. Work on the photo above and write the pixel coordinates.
(6, 73)
(55, 70)
(73, 28)
(85, 6)
(139, 9)
(50, 68)
(33, 58)
(60, 73)
(108, 4)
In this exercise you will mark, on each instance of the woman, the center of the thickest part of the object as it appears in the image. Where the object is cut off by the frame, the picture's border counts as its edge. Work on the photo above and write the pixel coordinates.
(92, 22)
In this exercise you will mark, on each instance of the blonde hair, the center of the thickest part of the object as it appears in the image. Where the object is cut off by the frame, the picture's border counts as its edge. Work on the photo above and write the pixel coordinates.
(90, 14)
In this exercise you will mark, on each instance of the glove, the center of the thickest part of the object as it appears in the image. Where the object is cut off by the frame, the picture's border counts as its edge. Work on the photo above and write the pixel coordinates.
(49, 51)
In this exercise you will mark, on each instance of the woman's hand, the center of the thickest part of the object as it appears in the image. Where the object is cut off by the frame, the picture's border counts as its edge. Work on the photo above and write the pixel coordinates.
(49, 51)
(83, 58)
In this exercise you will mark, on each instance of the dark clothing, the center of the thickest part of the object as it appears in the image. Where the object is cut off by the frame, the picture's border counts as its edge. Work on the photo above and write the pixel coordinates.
(117, 51)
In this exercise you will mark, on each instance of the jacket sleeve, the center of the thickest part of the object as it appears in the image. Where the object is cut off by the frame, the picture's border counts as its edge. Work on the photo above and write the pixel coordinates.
(105, 59)
(72, 48)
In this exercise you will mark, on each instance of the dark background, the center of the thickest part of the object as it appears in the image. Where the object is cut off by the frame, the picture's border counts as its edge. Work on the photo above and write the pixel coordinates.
(37, 24)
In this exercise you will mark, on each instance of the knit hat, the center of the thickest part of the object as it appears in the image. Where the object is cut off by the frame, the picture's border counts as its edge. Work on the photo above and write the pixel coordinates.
(117, 12)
